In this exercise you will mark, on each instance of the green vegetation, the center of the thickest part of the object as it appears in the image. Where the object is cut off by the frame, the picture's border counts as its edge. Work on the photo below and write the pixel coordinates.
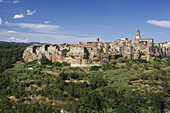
(9, 54)
(121, 86)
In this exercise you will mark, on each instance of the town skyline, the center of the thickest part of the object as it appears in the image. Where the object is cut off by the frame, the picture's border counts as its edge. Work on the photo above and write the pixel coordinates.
(80, 21)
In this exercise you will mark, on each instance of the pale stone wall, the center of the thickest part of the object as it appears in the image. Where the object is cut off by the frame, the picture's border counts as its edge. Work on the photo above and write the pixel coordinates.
(94, 52)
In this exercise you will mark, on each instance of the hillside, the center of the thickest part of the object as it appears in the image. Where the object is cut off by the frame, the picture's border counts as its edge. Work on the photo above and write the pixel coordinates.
(9, 54)
(121, 86)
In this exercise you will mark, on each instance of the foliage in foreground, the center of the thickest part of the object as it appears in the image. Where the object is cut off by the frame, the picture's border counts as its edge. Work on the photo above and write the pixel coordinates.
(9, 54)
(121, 86)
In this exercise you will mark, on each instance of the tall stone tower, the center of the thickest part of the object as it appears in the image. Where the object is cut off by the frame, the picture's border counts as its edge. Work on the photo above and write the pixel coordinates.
(97, 39)
(137, 34)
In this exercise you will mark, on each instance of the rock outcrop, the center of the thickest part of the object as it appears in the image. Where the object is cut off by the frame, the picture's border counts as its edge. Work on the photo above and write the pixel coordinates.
(95, 52)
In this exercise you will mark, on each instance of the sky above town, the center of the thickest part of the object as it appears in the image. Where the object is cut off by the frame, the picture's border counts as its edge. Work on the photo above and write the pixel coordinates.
(71, 21)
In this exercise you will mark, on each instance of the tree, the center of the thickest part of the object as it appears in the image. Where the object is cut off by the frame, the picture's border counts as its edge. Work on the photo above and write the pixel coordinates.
(156, 64)
(95, 68)
(44, 60)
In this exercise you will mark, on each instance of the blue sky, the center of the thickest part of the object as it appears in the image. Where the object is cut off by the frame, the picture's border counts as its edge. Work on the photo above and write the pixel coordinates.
(71, 21)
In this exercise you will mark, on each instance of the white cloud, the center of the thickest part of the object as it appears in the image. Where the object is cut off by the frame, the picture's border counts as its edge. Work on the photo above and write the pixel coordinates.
(0, 21)
(18, 16)
(15, 1)
(12, 38)
(57, 37)
(46, 22)
(162, 23)
(30, 12)
(6, 22)
(102, 26)
(12, 32)
(10, 2)
(36, 27)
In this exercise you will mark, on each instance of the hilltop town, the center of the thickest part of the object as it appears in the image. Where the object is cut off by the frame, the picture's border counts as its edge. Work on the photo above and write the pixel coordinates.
(91, 53)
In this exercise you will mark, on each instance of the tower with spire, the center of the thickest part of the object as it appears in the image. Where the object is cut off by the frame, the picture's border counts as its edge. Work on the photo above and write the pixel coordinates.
(137, 34)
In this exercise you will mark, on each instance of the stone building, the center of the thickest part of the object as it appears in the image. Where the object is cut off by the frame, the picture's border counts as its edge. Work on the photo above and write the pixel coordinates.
(95, 52)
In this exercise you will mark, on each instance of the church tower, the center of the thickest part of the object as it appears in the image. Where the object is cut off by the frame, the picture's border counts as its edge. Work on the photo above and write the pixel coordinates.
(97, 39)
(137, 34)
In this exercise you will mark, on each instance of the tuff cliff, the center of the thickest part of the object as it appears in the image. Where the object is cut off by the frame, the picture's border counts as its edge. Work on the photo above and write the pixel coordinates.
(95, 52)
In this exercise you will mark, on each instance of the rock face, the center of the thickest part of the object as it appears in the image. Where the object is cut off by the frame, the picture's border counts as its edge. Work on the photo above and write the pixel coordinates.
(95, 52)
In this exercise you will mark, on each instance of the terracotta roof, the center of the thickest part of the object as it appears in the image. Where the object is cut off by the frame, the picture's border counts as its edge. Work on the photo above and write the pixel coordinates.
(75, 45)
(92, 42)
(53, 45)
(156, 43)
(35, 45)
(44, 44)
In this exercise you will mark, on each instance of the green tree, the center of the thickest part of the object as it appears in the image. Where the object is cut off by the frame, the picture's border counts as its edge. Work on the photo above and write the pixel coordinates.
(44, 60)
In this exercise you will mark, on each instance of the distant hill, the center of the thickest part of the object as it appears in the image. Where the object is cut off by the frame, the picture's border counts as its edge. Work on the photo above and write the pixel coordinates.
(30, 43)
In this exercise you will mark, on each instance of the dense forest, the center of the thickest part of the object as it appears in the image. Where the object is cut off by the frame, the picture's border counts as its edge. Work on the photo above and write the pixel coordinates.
(120, 86)
(9, 54)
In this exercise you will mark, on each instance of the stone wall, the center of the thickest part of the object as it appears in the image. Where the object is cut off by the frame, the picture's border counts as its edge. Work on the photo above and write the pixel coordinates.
(91, 53)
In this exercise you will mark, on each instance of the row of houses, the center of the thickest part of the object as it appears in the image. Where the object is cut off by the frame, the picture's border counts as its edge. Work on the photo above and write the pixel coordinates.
(95, 52)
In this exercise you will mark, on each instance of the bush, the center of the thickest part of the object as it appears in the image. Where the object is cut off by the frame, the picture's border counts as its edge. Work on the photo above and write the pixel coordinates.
(33, 62)
(44, 60)
(144, 76)
(21, 99)
(165, 84)
(65, 64)
(57, 64)
(74, 76)
(156, 64)
(135, 66)
(166, 61)
(63, 75)
(48, 66)
(152, 83)
(39, 83)
(129, 82)
(113, 62)
(121, 60)
(95, 68)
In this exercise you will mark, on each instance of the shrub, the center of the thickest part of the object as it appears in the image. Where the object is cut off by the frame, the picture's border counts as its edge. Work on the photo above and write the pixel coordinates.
(113, 62)
(57, 64)
(63, 75)
(135, 66)
(74, 76)
(153, 83)
(95, 68)
(121, 60)
(33, 62)
(48, 66)
(73, 57)
(39, 83)
(144, 76)
(129, 82)
(21, 99)
(44, 60)
(165, 84)
(166, 61)
(156, 64)
(65, 64)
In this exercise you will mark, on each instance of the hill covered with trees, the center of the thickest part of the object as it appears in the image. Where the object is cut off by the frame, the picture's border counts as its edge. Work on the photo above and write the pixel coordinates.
(9, 54)
(121, 86)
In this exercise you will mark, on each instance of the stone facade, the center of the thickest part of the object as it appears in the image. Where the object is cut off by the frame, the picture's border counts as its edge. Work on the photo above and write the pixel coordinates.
(95, 52)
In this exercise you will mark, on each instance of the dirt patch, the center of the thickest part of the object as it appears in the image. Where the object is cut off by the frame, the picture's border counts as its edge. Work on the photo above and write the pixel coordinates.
(77, 81)
(13, 98)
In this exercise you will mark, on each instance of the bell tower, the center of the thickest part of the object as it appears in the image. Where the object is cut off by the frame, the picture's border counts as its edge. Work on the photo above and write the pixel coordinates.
(97, 39)
(137, 34)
